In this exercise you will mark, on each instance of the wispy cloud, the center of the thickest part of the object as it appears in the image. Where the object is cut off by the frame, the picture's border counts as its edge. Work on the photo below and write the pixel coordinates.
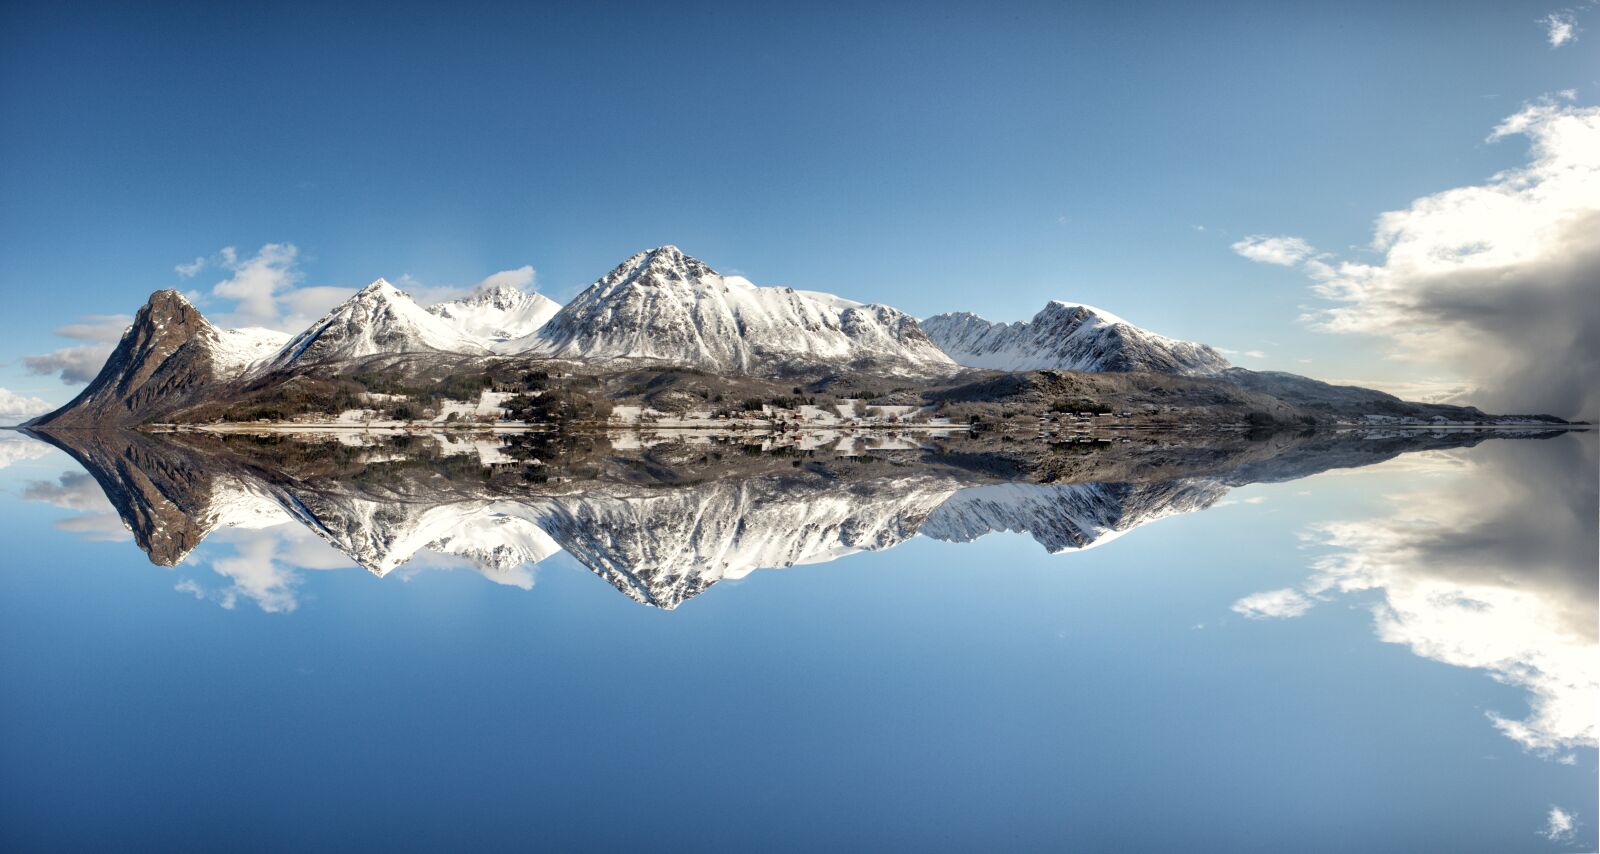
(104, 328)
(1559, 28)
(1559, 825)
(1273, 605)
(1283, 250)
(95, 518)
(80, 362)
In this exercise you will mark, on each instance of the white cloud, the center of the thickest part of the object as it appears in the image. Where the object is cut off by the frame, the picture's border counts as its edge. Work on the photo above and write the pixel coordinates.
(521, 278)
(1559, 28)
(96, 519)
(1273, 605)
(16, 448)
(1480, 570)
(302, 306)
(1283, 250)
(103, 328)
(1495, 285)
(15, 407)
(1559, 825)
(191, 269)
(76, 364)
(257, 282)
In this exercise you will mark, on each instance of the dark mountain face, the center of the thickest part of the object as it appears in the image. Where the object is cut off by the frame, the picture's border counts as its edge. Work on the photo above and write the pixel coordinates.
(162, 364)
(162, 491)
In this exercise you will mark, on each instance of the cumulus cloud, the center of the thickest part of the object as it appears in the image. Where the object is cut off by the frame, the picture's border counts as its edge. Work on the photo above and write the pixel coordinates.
(1484, 570)
(1495, 284)
(256, 283)
(1283, 250)
(1273, 605)
(191, 269)
(1559, 825)
(1559, 28)
(16, 407)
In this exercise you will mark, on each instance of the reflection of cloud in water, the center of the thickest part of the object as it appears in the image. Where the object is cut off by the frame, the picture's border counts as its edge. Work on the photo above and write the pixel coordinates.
(263, 566)
(97, 520)
(16, 448)
(1493, 568)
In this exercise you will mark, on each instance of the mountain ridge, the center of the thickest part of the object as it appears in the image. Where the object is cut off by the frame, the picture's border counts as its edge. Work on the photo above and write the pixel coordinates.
(662, 310)
(1068, 337)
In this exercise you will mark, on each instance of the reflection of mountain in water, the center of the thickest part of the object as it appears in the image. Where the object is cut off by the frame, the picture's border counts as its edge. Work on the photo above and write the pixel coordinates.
(662, 524)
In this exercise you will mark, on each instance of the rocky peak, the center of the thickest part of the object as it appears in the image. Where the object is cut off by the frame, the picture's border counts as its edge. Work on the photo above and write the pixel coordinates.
(164, 356)
(663, 265)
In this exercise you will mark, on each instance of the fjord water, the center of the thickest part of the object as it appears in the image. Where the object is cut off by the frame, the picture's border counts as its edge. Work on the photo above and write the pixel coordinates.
(1397, 657)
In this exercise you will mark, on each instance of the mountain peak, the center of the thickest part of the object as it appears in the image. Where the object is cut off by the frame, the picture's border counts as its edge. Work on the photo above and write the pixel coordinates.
(666, 306)
(1078, 308)
(379, 287)
(663, 265)
(1068, 336)
(498, 316)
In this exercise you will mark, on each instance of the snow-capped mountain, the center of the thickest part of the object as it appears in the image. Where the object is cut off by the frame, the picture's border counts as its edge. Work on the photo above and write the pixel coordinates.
(661, 548)
(665, 306)
(1068, 337)
(167, 359)
(1066, 516)
(240, 351)
(379, 319)
(500, 317)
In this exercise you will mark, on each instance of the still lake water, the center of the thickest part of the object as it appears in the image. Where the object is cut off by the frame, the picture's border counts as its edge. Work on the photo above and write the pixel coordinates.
(1400, 656)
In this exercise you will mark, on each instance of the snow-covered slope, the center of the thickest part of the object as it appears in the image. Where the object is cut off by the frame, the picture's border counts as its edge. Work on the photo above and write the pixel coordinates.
(664, 305)
(238, 351)
(1068, 337)
(662, 547)
(498, 317)
(379, 319)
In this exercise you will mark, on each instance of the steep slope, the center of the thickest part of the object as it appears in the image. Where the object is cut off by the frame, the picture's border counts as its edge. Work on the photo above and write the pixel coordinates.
(379, 319)
(499, 317)
(167, 359)
(665, 306)
(1067, 337)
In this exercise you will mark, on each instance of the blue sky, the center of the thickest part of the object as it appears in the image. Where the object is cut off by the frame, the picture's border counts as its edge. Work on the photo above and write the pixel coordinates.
(931, 157)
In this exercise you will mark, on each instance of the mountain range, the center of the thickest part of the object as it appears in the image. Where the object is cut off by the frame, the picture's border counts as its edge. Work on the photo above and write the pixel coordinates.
(660, 310)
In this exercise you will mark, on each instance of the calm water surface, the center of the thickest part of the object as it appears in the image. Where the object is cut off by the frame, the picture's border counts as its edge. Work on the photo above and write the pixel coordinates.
(1395, 657)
